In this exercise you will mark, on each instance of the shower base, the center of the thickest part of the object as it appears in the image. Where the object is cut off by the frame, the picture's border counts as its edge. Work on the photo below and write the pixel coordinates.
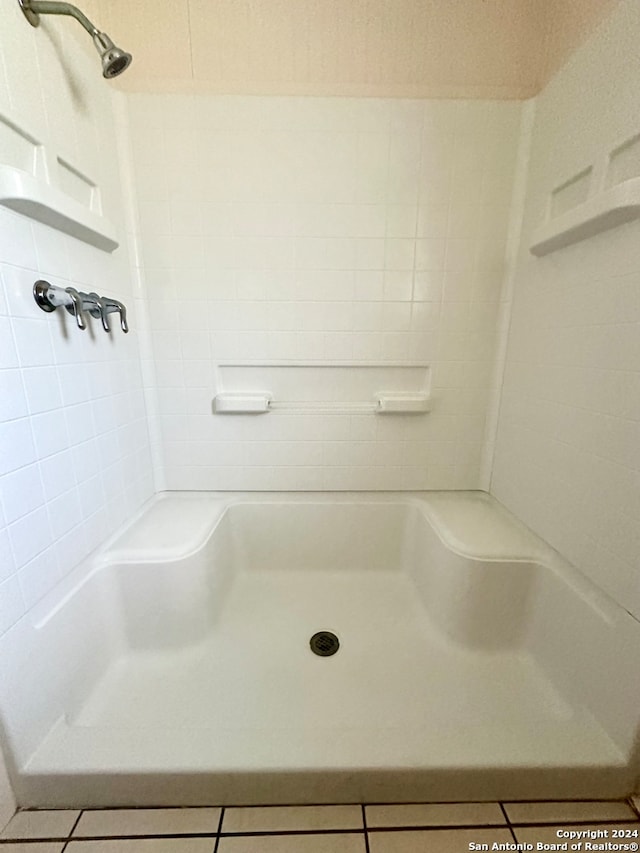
(442, 688)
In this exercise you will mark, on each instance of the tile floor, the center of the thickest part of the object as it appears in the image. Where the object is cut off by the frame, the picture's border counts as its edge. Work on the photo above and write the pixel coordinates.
(410, 828)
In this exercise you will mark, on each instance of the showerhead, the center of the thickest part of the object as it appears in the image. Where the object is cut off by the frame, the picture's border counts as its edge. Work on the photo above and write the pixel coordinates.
(114, 60)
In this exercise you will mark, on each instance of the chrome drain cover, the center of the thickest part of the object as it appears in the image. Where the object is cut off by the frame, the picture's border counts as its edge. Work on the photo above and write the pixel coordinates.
(324, 643)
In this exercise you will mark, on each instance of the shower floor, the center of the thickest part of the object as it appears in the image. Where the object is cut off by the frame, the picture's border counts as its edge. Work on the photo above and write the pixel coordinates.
(396, 695)
(257, 669)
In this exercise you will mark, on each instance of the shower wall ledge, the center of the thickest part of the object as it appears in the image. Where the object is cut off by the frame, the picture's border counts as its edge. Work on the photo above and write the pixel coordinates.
(39, 200)
(604, 211)
(175, 524)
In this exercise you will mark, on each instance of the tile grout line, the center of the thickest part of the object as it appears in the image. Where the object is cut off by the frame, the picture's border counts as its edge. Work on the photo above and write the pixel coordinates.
(364, 820)
(442, 827)
(73, 829)
(38, 809)
(122, 808)
(285, 832)
(261, 833)
(635, 815)
(36, 839)
(142, 836)
(506, 817)
(600, 822)
(302, 832)
(219, 832)
(77, 821)
(150, 808)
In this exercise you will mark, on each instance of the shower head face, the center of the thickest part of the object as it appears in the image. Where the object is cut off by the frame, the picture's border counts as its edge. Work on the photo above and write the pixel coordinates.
(114, 60)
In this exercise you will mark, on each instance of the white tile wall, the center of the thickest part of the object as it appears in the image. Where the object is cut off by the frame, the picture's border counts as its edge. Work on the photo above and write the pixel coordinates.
(312, 230)
(568, 447)
(74, 450)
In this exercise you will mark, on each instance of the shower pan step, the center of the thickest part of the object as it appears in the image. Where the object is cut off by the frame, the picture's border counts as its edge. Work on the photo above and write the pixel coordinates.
(321, 765)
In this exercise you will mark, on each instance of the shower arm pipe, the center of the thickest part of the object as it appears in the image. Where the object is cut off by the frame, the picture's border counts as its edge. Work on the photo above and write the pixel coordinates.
(33, 8)
(114, 59)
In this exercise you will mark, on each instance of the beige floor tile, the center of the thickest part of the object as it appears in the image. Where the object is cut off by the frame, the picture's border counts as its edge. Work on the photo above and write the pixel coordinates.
(53, 823)
(435, 840)
(291, 818)
(549, 834)
(568, 812)
(144, 845)
(330, 843)
(436, 814)
(37, 847)
(97, 823)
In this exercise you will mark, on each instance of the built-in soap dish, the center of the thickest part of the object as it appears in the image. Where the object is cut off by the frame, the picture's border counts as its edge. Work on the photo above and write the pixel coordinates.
(236, 404)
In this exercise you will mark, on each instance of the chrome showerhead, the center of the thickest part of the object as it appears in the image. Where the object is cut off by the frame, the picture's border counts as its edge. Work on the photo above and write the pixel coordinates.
(114, 59)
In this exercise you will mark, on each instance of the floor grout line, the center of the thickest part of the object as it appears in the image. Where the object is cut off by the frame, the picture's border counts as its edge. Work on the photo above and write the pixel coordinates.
(366, 832)
(506, 817)
(219, 832)
(35, 840)
(261, 832)
(504, 812)
(36, 809)
(143, 836)
(77, 821)
(599, 822)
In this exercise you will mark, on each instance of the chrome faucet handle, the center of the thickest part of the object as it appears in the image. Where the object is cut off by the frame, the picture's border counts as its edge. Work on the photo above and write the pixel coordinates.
(97, 308)
(111, 306)
(75, 309)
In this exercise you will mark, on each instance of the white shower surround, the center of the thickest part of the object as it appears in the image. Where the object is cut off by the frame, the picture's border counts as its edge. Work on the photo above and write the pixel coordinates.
(581, 640)
(474, 663)
(311, 231)
(567, 456)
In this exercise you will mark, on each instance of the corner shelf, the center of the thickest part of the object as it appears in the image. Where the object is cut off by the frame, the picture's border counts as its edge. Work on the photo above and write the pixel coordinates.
(606, 210)
(37, 199)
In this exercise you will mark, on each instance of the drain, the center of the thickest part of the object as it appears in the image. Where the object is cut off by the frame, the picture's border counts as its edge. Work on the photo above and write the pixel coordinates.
(324, 643)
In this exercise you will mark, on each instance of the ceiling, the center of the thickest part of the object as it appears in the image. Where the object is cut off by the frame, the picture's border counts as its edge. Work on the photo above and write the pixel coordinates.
(387, 48)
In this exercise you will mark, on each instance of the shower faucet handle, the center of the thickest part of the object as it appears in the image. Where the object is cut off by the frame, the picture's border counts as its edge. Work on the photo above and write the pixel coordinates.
(97, 307)
(48, 297)
(75, 308)
(111, 306)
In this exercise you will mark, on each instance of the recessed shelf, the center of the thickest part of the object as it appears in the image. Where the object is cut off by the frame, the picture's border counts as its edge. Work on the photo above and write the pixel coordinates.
(606, 210)
(39, 200)
(335, 388)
